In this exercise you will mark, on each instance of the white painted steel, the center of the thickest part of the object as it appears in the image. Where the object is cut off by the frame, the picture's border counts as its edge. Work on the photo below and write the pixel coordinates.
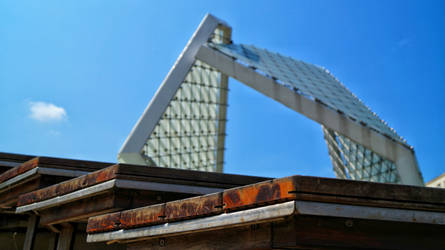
(130, 151)
(235, 219)
(392, 150)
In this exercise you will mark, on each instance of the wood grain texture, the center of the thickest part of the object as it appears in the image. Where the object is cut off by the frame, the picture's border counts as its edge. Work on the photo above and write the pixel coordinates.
(69, 186)
(281, 190)
(26, 166)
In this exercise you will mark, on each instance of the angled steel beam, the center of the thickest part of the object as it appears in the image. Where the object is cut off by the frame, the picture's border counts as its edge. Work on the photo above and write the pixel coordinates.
(132, 147)
(401, 155)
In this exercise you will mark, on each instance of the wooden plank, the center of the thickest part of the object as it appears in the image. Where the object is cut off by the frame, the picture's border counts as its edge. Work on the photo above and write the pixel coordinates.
(313, 232)
(369, 202)
(67, 198)
(187, 175)
(216, 222)
(250, 237)
(194, 207)
(159, 213)
(9, 198)
(30, 162)
(369, 190)
(65, 237)
(79, 210)
(142, 216)
(267, 192)
(26, 166)
(31, 229)
(69, 186)
(111, 221)
(103, 223)
(17, 158)
(64, 163)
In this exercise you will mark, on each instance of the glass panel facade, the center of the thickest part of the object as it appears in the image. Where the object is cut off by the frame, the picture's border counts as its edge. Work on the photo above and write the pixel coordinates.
(353, 161)
(186, 136)
(350, 160)
(309, 80)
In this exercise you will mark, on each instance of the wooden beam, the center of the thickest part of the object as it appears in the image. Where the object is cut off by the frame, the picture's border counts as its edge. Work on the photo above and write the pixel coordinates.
(249, 237)
(70, 197)
(80, 210)
(52, 241)
(230, 220)
(69, 186)
(65, 237)
(31, 229)
(315, 232)
(306, 232)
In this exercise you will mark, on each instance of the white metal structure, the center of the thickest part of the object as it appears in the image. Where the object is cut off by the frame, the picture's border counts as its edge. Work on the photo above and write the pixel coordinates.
(184, 124)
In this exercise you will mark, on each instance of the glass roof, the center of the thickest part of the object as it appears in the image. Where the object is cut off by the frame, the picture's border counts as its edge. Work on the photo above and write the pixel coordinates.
(309, 80)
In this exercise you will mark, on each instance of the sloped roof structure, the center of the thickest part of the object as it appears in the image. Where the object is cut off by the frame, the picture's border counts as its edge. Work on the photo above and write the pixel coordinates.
(184, 124)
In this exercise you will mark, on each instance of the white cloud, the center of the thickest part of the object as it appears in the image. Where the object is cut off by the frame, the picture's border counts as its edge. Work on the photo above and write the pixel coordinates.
(46, 112)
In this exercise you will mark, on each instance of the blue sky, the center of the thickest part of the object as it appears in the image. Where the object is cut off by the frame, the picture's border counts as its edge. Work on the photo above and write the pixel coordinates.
(98, 63)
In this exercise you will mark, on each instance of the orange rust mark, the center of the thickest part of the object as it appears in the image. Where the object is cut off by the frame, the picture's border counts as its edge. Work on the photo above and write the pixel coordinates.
(154, 214)
(102, 223)
(193, 207)
(28, 165)
(69, 186)
(258, 194)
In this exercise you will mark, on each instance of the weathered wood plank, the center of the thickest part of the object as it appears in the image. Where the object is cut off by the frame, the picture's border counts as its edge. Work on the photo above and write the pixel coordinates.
(194, 207)
(79, 210)
(69, 186)
(26, 166)
(340, 233)
(103, 223)
(306, 232)
(284, 189)
(143, 216)
(170, 211)
(122, 172)
(277, 190)
(31, 229)
(134, 171)
(9, 198)
(368, 190)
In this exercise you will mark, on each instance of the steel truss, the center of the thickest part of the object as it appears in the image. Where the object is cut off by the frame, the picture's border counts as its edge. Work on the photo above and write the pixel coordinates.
(184, 124)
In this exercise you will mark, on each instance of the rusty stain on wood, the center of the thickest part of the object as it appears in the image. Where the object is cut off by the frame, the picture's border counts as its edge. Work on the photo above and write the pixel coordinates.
(9, 197)
(258, 194)
(278, 190)
(102, 223)
(26, 166)
(193, 207)
(143, 216)
(69, 186)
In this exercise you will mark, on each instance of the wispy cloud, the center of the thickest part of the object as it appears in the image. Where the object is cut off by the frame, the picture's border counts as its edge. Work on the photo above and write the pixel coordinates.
(46, 112)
